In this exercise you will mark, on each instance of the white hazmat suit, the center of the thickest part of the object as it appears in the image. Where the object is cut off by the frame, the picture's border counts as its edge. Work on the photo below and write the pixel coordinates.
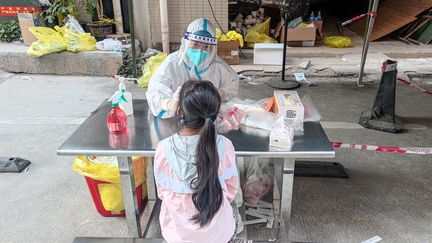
(196, 60)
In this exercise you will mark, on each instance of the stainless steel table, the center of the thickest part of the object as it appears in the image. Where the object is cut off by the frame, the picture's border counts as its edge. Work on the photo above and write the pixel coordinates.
(145, 131)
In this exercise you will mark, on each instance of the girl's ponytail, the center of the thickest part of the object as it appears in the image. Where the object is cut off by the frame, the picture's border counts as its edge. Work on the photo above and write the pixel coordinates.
(199, 105)
(207, 197)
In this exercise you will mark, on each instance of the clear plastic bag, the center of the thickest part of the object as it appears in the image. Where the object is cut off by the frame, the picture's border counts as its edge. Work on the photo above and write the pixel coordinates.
(252, 105)
(262, 120)
(258, 180)
(229, 118)
(72, 24)
(311, 113)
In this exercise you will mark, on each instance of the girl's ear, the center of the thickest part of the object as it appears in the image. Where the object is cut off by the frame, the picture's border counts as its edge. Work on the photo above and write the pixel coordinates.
(178, 111)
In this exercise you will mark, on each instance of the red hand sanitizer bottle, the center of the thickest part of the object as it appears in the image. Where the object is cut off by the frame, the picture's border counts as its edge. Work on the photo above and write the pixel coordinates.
(117, 122)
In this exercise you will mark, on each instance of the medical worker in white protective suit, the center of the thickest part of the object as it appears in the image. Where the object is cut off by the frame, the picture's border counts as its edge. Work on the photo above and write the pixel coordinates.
(196, 60)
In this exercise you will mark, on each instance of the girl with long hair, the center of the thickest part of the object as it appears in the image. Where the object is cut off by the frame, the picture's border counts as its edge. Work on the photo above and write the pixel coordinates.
(196, 173)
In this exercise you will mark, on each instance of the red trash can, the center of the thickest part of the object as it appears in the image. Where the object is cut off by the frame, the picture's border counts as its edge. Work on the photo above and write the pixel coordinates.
(93, 186)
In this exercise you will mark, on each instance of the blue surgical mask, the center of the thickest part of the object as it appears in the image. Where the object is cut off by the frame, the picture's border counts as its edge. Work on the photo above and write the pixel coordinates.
(196, 56)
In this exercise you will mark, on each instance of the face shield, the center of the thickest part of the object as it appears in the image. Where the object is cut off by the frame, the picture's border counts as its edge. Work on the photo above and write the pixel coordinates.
(199, 45)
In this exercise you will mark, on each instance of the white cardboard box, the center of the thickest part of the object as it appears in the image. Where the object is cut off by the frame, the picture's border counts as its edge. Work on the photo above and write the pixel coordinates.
(268, 54)
(289, 105)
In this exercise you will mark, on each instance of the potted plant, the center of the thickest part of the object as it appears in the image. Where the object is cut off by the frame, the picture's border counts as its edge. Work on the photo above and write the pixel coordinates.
(56, 10)
(9, 31)
(103, 26)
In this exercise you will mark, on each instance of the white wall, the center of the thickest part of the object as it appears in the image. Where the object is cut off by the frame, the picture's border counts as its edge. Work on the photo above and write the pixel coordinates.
(182, 12)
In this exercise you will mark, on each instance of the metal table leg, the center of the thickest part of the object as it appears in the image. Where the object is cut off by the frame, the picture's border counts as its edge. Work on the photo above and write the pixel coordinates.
(129, 196)
(148, 213)
(286, 199)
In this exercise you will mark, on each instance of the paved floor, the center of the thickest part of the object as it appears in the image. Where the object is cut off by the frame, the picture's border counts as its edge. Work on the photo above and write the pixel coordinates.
(387, 194)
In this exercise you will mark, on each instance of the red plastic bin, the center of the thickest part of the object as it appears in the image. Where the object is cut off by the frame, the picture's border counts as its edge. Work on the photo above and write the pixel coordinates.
(94, 191)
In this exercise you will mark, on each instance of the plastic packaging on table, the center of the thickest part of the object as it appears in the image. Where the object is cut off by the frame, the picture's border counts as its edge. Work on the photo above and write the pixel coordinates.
(251, 105)
(229, 118)
(49, 41)
(311, 113)
(261, 120)
(109, 45)
(105, 169)
(258, 181)
(150, 68)
(338, 41)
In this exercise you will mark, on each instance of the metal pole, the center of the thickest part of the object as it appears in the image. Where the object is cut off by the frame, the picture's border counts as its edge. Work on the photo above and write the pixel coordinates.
(129, 196)
(282, 83)
(284, 44)
(369, 26)
(132, 32)
(164, 25)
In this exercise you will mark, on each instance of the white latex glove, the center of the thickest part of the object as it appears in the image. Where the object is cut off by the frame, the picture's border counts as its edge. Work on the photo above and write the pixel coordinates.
(171, 104)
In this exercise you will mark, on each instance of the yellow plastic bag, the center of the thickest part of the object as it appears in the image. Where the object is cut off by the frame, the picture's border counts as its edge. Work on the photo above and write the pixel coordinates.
(49, 41)
(255, 37)
(104, 168)
(112, 198)
(338, 41)
(78, 42)
(263, 28)
(150, 68)
(230, 35)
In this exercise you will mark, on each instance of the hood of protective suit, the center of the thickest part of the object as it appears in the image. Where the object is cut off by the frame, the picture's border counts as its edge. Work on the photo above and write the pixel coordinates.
(200, 30)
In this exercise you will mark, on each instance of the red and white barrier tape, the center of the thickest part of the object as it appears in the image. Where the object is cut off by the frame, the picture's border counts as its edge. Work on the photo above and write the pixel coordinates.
(372, 14)
(406, 150)
(415, 86)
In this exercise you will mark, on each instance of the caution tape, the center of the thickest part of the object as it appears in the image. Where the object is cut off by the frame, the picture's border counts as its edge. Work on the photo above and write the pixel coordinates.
(379, 148)
(415, 86)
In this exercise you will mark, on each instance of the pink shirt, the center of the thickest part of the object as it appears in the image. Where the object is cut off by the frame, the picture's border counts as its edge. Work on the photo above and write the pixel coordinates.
(177, 207)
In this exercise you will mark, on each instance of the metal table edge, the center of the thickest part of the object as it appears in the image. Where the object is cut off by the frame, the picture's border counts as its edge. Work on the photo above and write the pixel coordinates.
(278, 154)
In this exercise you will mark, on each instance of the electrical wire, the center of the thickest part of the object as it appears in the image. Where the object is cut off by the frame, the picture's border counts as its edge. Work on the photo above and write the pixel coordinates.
(220, 27)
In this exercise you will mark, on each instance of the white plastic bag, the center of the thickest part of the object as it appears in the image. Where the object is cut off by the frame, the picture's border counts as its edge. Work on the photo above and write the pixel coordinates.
(258, 181)
(109, 45)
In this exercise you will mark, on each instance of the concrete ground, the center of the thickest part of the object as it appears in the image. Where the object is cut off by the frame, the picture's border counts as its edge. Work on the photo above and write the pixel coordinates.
(388, 195)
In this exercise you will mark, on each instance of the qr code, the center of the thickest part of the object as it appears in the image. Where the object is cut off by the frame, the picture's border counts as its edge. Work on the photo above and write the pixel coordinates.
(291, 114)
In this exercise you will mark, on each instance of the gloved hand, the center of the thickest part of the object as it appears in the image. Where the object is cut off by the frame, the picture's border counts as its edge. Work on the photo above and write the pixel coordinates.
(171, 104)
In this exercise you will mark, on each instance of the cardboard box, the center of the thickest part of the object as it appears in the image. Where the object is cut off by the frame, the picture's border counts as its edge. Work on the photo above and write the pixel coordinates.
(289, 105)
(303, 36)
(268, 53)
(27, 20)
(229, 51)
